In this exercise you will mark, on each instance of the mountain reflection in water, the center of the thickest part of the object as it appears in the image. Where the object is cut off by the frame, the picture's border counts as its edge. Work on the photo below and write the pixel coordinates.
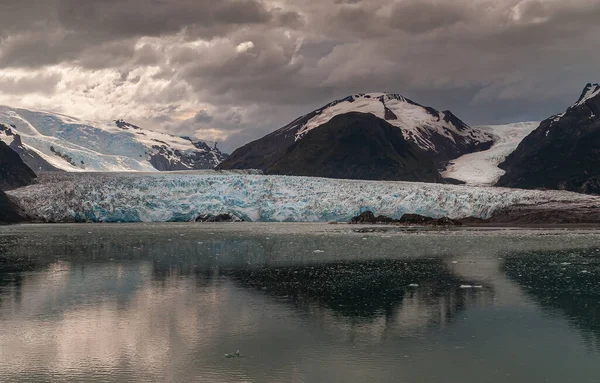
(165, 303)
(567, 282)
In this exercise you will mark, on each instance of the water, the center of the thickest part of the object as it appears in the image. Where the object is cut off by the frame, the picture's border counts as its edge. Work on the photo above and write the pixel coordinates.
(302, 303)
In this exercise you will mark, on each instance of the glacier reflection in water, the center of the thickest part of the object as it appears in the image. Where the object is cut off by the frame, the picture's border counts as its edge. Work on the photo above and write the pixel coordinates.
(121, 303)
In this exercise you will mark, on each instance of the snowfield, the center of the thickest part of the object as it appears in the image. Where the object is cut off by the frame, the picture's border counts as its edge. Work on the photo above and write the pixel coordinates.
(481, 168)
(165, 197)
(73, 145)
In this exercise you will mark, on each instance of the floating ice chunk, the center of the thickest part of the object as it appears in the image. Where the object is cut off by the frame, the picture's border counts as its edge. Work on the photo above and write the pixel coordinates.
(235, 355)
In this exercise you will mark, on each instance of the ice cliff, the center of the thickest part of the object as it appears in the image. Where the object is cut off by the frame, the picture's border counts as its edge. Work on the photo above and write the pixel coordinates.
(163, 197)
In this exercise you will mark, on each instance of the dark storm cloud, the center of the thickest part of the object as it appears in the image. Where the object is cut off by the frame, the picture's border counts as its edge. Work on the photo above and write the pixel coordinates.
(250, 66)
(428, 15)
(129, 18)
(43, 33)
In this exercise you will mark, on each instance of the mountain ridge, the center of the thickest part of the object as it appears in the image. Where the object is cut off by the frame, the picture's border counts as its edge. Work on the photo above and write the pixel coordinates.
(51, 141)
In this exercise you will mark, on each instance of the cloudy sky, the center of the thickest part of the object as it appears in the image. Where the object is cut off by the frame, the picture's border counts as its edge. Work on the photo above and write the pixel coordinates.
(233, 70)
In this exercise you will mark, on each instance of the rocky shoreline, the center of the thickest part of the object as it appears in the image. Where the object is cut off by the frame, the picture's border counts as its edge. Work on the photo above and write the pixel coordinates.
(368, 217)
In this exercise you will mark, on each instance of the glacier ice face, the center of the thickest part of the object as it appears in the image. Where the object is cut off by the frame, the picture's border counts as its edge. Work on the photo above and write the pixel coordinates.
(166, 197)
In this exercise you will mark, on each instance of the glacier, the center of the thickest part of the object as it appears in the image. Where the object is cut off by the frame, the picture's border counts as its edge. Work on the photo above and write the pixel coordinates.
(481, 168)
(183, 196)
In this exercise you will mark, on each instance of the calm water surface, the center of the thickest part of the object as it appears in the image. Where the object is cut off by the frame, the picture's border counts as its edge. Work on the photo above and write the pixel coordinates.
(302, 303)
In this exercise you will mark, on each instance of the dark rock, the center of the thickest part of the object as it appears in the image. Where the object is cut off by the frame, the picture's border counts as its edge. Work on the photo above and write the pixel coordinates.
(562, 153)
(30, 157)
(9, 211)
(365, 217)
(416, 219)
(13, 172)
(217, 218)
(368, 217)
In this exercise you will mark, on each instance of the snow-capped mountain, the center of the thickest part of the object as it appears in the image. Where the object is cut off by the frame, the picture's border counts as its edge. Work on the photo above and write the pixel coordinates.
(441, 135)
(50, 141)
(563, 152)
(357, 146)
(481, 168)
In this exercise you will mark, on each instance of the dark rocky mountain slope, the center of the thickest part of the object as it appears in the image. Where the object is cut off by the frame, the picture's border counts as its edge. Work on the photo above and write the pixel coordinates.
(13, 173)
(563, 152)
(357, 146)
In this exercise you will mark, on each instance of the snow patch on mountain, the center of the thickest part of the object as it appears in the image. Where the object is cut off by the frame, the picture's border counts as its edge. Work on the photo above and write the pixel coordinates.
(418, 123)
(73, 145)
(481, 168)
(161, 197)
(589, 92)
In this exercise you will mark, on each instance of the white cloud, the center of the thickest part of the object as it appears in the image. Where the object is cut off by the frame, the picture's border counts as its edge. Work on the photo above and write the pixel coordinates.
(245, 46)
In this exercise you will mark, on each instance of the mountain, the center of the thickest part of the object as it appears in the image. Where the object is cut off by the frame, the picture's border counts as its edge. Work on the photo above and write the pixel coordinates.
(13, 173)
(357, 146)
(563, 152)
(441, 135)
(50, 142)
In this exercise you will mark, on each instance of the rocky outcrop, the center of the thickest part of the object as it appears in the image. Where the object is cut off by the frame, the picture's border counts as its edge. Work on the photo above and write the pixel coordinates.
(218, 218)
(562, 153)
(357, 146)
(30, 157)
(368, 217)
(13, 173)
(11, 212)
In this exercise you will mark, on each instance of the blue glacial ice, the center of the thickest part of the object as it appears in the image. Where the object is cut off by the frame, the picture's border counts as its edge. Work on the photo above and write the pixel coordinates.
(181, 197)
